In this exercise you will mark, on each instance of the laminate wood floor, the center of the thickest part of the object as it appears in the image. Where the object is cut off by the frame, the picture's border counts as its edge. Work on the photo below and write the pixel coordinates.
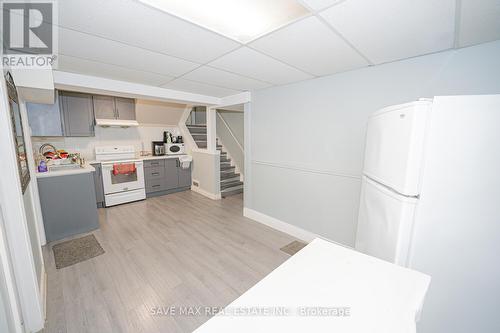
(177, 250)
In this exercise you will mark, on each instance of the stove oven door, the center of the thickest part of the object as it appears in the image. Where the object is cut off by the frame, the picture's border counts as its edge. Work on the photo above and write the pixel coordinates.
(122, 182)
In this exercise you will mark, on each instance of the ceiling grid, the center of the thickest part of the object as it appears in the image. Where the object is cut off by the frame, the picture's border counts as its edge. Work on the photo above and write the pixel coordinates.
(185, 55)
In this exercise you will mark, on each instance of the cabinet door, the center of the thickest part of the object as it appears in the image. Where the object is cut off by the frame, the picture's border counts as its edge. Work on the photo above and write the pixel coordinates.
(125, 108)
(99, 190)
(171, 177)
(104, 107)
(154, 178)
(45, 119)
(184, 176)
(78, 114)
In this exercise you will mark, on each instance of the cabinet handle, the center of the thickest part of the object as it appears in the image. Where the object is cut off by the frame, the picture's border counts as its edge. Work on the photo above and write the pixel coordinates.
(155, 163)
(156, 185)
(155, 173)
(117, 115)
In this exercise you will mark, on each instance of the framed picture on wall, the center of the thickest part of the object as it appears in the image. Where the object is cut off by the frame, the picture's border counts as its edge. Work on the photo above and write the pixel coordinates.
(17, 128)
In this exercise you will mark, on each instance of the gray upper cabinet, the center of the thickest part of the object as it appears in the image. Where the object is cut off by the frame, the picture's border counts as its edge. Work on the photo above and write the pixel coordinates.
(108, 107)
(78, 113)
(45, 119)
(104, 107)
(125, 108)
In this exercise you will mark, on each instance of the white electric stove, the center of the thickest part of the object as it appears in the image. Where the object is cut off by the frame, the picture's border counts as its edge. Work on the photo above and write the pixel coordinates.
(121, 188)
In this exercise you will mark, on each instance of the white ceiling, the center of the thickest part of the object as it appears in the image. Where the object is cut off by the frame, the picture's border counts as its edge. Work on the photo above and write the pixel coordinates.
(127, 40)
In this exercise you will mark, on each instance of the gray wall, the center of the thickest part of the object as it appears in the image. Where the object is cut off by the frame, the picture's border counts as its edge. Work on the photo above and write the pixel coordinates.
(307, 139)
(235, 124)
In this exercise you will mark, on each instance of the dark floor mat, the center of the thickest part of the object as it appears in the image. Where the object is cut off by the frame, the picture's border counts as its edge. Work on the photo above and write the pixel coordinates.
(76, 250)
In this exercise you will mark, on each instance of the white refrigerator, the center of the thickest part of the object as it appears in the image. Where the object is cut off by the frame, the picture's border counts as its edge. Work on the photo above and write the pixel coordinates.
(430, 200)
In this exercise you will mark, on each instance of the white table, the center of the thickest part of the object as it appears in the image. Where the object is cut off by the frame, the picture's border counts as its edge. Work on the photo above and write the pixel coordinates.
(373, 296)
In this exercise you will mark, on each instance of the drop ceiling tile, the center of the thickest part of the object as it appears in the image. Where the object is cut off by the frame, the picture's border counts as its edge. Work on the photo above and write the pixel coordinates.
(311, 46)
(479, 22)
(241, 20)
(82, 66)
(388, 30)
(251, 63)
(139, 25)
(320, 4)
(199, 88)
(81, 45)
(224, 79)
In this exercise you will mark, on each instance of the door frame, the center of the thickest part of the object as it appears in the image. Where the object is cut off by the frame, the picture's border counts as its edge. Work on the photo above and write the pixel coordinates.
(16, 236)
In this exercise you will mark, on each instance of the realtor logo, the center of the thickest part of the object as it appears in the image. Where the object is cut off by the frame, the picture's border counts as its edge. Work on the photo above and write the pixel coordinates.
(29, 34)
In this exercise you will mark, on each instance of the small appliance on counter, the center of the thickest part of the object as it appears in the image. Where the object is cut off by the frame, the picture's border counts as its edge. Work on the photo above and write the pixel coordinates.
(167, 137)
(175, 148)
(158, 148)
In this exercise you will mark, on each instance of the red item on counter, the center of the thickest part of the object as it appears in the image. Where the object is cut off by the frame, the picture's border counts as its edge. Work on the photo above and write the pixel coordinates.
(123, 169)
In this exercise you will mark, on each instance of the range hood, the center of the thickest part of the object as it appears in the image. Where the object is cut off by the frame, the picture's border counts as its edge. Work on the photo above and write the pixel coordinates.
(116, 123)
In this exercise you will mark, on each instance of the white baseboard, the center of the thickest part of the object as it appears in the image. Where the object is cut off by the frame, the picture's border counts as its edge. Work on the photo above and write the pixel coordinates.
(205, 193)
(274, 223)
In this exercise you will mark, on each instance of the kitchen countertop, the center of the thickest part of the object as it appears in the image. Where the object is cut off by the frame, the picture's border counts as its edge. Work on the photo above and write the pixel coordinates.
(146, 158)
(87, 168)
(326, 287)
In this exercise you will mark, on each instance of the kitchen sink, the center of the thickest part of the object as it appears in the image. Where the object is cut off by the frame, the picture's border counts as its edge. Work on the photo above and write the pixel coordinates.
(62, 167)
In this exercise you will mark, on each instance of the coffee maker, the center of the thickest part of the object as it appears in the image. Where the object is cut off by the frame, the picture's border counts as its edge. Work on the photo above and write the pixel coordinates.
(167, 137)
(158, 148)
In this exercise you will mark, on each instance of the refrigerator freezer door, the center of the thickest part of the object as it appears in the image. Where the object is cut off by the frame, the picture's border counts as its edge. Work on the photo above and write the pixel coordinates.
(385, 223)
(394, 146)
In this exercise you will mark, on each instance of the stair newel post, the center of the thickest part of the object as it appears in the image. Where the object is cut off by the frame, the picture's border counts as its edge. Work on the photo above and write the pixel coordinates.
(211, 130)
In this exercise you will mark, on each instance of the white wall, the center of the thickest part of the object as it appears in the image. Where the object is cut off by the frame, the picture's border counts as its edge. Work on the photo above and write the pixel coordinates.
(206, 173)
(307, 139)
(33, 231)
(153, 112)
(139, 137)
(154, 118)
(10, 310)
(456, 239)
(230, 130)
(5, 320)
(236, 123)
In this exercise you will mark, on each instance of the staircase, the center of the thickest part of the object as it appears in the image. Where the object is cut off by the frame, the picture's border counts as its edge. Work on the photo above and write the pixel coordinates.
(230, 183)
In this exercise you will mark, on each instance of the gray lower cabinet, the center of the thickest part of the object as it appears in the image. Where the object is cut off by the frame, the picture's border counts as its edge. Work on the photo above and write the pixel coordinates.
(163, 176)
(171, 176)
(184, 176)
(78, 113)
(68, 205)
(99, 189)
(154, 176)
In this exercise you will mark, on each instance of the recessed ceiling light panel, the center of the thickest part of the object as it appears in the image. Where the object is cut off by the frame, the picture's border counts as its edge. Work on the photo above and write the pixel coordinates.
(242, 20)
